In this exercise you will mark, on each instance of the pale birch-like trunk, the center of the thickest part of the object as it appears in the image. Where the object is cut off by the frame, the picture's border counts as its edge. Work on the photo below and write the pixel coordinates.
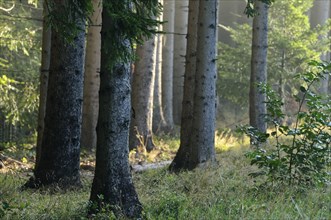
(320, 12)
(44, 73)
(181, 18)
(167, 62)
(159, 124)
(257, 106)
(92, 80)
(184, 154)
(142, 96)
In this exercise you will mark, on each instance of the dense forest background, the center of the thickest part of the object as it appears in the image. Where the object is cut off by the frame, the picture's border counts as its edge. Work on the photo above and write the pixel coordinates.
(166, 119)
(21, 32)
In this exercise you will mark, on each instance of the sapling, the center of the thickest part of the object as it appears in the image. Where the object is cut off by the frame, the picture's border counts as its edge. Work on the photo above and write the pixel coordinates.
(300, 154)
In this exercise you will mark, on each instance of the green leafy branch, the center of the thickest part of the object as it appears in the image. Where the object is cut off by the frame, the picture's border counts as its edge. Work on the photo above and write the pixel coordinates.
(305, 159)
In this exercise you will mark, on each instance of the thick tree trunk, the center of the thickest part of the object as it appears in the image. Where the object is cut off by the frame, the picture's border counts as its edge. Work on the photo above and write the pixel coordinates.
(203, 129)
(257, 106)
(44, 72)
(183, 156)
(202, 146)
(167, 65)
(142, 96)
(181, 17)
(59, 158)
(92, 80)
(112, 183)
(159, 123)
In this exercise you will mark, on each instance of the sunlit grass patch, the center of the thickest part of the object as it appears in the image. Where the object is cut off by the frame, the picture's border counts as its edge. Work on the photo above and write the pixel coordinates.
(228, 140)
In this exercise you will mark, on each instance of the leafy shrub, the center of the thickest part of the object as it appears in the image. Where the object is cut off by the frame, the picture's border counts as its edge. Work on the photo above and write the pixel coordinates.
(305, 158)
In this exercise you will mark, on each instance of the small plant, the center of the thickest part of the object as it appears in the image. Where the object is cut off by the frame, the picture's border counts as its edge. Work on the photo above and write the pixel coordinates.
(300, 155)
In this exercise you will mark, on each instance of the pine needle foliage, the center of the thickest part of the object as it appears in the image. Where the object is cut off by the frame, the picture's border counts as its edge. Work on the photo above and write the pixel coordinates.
(135, 21)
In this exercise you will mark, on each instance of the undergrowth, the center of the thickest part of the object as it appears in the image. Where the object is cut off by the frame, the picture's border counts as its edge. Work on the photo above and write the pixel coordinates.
(221, 192)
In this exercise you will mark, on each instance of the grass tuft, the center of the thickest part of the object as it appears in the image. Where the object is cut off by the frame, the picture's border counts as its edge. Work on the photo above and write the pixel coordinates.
(224, 191)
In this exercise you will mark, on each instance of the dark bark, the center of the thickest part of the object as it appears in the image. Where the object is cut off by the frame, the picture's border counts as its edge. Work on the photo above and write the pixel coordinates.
(112, 183)
(183, 156)
(60, 149)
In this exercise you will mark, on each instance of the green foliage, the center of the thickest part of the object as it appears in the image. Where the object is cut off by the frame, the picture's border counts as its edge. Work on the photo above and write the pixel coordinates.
(305, 159)
(134, 21)
(291, 44)
(19, 68)
(250, 10)
(18, 101)
(63, 17)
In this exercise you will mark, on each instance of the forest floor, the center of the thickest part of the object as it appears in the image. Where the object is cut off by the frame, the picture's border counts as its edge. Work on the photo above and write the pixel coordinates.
(224, 191)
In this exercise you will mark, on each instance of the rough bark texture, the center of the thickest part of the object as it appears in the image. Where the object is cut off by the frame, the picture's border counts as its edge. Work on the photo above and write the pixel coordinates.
(257, 107)
(203, 134)
(202, 146)
(92, 80)
(59, 158)
(181, 17)
(183, 156)
(319, 14)
(112, 183)
(44, 72)
(167, 65)
(142, 96)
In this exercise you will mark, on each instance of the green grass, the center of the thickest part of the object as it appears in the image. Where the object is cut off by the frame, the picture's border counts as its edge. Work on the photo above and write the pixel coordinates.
(224, 191)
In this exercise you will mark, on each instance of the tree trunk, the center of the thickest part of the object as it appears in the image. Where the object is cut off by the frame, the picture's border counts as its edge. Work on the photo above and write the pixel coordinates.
(44, 72)
(257, 106)
(112, 183)
(319, 14)
(92, 80)
(202, 146)
(159, 123)
(181, 17)
(182, 159)
(203, 129)
(59, 158)
(142, 96)
(167, 62)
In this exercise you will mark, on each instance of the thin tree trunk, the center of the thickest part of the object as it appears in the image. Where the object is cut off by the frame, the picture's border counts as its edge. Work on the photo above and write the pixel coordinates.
(257, 106)
(92, 80)
(159, 123)
(167, 62)
(44, 72)
(112, 183)
(182, 159)
(142, 96)
(60, 149)
(181, 17)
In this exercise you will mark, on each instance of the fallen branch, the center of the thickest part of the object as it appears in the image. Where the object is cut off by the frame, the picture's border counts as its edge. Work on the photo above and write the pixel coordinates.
(137, 168)
(11, 160)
